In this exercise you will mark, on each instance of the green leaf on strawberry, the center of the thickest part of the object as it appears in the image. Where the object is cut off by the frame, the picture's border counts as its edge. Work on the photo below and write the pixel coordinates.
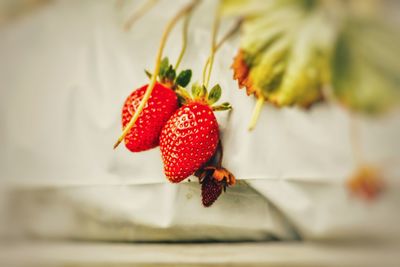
(148, 73)
(214, 95)
(164, 66)
(183, 78)
(222, 107)
(170, 74)
(167, 75)
(199, 91)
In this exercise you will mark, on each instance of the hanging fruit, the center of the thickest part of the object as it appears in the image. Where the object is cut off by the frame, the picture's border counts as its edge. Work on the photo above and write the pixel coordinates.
(164, 113)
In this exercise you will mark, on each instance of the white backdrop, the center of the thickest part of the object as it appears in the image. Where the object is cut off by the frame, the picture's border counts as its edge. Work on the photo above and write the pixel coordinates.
(64, 73)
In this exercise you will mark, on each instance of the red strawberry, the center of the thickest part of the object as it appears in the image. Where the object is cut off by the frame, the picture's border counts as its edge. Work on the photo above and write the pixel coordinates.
(188, 140)
(145, 133)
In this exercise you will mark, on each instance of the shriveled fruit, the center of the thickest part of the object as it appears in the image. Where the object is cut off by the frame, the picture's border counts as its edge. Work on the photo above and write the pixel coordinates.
(211, 189)
(213, 180)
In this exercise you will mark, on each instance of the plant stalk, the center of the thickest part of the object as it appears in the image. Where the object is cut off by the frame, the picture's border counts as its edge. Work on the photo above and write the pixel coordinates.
(256, 112)
(208, 67)
(143, 9)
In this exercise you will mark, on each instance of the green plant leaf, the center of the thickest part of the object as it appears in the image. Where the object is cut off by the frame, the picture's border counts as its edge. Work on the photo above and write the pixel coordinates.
(365, 66)
(196, 90)
(148, 73)
(285, 52)
(214, 95)
(184, 77)
(170, 73)
(203, 92)
(164, 66)
(199, 91)
(222, 107)
(291, 51)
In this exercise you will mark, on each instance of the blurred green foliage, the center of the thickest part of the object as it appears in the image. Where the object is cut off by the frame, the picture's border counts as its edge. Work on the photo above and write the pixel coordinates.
(293, 51)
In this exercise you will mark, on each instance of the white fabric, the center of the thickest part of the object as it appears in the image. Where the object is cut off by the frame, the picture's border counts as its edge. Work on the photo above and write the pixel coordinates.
(65, 71)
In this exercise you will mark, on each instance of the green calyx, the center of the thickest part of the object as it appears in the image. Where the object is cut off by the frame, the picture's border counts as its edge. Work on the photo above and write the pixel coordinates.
(214, 95)
(222, 107)
(200, 93)
(167, 75)
(183, 78)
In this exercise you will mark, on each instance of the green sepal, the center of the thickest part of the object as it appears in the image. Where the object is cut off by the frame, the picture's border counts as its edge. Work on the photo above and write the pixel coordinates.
(223, 106)
(164, 67)
(148, 73)
(183, 78)
(196, 88)
(214, 95)
(199, 91)
(170, 73)
(204, 92)
(183, 95)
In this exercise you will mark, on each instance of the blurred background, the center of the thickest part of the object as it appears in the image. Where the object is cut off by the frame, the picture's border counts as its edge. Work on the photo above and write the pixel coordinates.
(318, 177)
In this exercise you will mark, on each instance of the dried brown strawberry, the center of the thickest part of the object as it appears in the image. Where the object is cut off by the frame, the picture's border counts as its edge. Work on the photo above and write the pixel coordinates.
(210, 191)
(213, 180)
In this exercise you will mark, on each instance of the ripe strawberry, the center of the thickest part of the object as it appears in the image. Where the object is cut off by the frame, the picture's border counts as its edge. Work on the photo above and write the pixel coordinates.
(145, 133)
(190, 137)
(188, 140)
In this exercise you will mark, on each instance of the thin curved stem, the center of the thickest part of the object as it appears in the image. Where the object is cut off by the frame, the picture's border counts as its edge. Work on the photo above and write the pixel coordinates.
(226, 37)
(208, 67)
(256, 112)
(153, 80)
(143, 9)
(184, 39)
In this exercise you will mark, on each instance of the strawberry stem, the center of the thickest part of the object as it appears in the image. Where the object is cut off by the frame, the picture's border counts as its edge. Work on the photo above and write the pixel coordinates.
(142, 10)
(256, 113)
(208, 67)
(226, 37)
(150, 88)
(184, 39)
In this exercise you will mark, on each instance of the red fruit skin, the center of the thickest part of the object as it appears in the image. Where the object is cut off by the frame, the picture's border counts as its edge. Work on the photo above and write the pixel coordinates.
(188, 140)
(145, 133)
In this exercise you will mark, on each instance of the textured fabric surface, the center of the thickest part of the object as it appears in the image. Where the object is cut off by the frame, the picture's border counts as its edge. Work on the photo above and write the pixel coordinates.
(65, 71)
